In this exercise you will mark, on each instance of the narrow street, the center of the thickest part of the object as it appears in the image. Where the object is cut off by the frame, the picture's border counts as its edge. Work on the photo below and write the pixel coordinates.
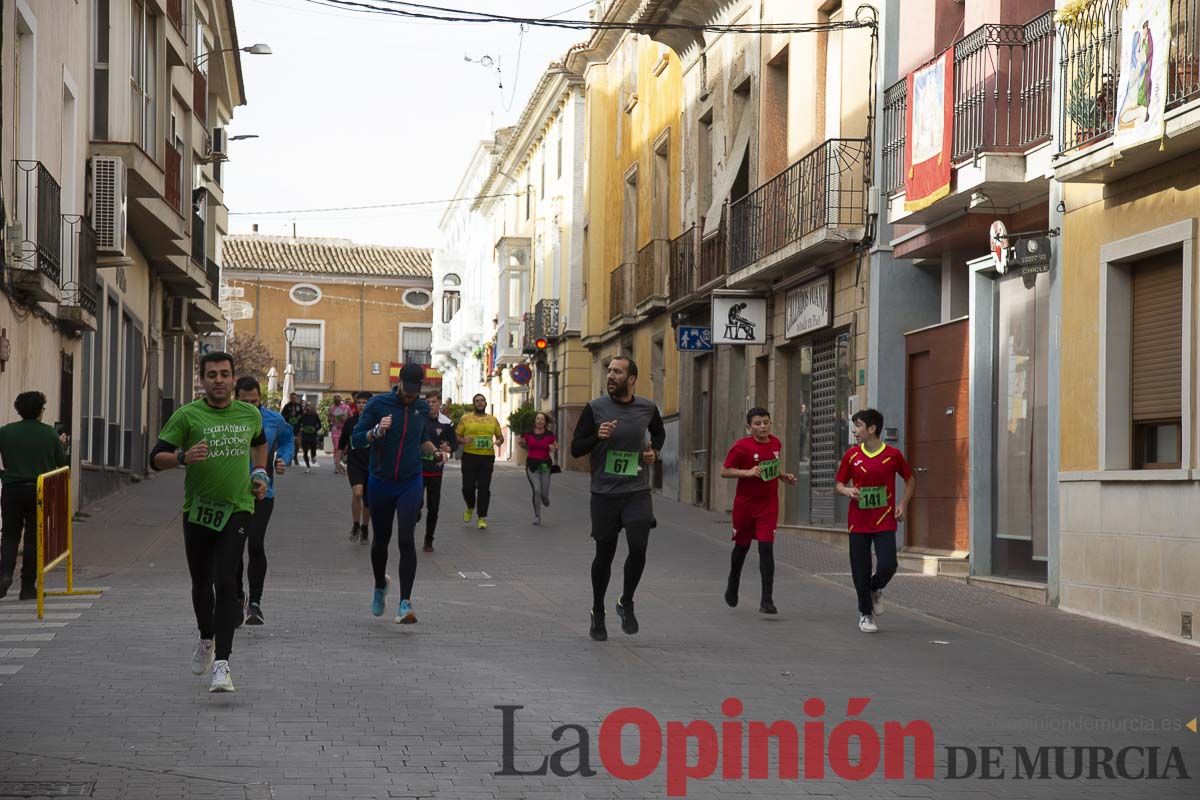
(333, 702)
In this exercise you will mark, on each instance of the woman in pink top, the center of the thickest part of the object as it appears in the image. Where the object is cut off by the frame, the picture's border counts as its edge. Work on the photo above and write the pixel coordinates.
(338, 413)
(540, 444)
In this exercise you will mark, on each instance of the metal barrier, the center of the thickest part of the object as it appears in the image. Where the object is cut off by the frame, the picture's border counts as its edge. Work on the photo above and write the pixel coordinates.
(55, 535)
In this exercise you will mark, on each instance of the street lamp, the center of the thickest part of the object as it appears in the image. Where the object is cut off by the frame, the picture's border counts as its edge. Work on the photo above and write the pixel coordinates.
(259, 49)
(242, 136)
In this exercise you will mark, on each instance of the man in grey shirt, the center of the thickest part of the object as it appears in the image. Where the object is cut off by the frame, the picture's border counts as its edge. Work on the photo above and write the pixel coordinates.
(612, 432)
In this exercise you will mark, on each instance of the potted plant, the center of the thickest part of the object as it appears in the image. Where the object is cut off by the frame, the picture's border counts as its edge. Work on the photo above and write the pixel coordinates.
(1083, 104)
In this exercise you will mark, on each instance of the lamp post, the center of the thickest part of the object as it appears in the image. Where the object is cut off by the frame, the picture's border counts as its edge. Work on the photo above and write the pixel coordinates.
(259, 49)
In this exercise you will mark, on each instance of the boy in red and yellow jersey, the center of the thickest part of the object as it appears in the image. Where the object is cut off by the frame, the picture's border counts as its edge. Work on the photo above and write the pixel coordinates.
(868, 477)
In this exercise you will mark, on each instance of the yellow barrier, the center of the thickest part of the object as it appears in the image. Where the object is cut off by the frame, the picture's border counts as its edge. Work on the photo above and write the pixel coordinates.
(54, 535)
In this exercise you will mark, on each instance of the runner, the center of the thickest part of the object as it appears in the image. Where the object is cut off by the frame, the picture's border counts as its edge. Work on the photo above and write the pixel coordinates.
(754, 461)
(612, 429)
(292, 413)
(280, 444)
(442, 434)
(867, 476)
(217, 439)
(358, 466)
(338, 413)
(479, 434)
(395, 426)
(310, 435)
(539, 444)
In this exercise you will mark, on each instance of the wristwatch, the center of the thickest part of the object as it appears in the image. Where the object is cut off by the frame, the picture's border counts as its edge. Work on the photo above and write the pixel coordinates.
(181, 455)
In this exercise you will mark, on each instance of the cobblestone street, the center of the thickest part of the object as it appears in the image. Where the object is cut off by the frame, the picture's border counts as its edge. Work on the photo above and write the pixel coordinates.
(333, 702)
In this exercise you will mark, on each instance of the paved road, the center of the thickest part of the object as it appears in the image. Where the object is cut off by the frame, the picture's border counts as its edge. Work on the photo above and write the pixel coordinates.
(333, 702)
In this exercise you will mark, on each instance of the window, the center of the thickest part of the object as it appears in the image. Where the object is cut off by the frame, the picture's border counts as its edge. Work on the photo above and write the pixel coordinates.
(560, 154)
(305, 294)
(1156, 389)
(144, 73)
(305, 352)
(451, 300)
(416, 345)
(100, 57)
(417, 298)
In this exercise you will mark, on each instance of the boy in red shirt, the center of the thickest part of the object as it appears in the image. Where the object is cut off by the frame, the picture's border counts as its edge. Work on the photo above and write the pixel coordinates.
(868, 477)
(754, 461)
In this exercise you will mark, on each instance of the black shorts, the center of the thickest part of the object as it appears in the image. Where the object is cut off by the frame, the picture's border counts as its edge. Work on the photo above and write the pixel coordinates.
(357, 474)
(633, 512)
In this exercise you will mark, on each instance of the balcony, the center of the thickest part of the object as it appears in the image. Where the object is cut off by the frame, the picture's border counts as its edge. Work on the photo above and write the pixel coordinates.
(1090, 74)
(310, 371)
(466, 329)
(683, 276)
(212, 272)
(620, 295)
(815, 209)
(714, 258)
(199, 239)
(1003, 88)
(200, 97)
(36, 264)
(77, 308)
(172, 191)
(547, 322)
(650, 285)
(509, 338)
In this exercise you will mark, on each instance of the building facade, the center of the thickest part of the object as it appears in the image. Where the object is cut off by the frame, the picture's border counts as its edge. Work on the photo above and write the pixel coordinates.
(353, 309)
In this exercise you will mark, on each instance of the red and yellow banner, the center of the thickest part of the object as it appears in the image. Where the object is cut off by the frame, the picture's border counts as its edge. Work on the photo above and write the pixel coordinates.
(930, 130)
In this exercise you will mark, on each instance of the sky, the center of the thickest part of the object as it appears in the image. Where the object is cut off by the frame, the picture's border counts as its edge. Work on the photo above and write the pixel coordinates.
(354, 109)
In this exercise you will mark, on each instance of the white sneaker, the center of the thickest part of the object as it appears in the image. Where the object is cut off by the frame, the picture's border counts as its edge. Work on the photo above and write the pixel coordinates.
(308, 470)
(865, 624)
(221, 682)
(876, 603)
(202, 656)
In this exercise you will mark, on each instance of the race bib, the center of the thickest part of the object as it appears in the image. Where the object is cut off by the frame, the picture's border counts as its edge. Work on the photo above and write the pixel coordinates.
(622, 462)
(481, 442)
(212, 514)
(429, 456)
(872, 497)
(769, 470)
(543, 468)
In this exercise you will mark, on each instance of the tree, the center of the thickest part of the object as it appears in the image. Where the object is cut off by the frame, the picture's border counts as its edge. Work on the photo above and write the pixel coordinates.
(251, 357)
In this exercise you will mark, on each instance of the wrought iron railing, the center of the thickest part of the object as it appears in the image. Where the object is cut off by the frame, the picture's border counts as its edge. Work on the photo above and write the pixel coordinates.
(1089, 66)
(212, 272)
(1183, 80)
(682, 281)
(1037, 80)
(652, 261)
(528, 333)
(895, 135)
(39, 210)
(547, 323)
(172, 189)
(620, 292)
(78, 282)
(714, 254)
(824, 189)
(308, 367)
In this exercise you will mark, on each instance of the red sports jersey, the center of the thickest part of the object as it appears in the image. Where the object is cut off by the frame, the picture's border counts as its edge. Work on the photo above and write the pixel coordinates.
(875, 478)
(761, 495)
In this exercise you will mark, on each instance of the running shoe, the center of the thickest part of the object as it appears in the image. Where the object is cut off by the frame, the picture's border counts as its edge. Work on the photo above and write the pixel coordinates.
(866, 624)
(241, 618)
(470, 512)
(254, 615)
(380, 597)
(221, 681)
(354, 532)
(629, 623)
(28, 593)
(202, 656)
(365, 534)
(731, 591)
(537, 520)
(308, 470)
(598, 632)
(482, 523)
(5, 582)
(767, 607)
(404, 614)
(876, 603)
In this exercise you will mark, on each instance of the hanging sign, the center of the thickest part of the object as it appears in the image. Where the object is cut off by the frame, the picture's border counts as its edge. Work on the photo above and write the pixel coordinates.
(1033, 255)
(998, 242)
(739, 319)
(808, 308)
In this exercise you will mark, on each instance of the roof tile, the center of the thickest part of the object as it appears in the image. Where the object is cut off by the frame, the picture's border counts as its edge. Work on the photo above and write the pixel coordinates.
(255, 253)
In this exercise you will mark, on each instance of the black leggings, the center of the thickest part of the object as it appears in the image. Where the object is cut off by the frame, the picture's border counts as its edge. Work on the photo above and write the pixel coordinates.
(18, 512)
(397, 504)
(433, 502)
(477, 481)
(213, 558)
(860, 564)
(635, 565)
(256, 541)
(766, 566)
(309, 446)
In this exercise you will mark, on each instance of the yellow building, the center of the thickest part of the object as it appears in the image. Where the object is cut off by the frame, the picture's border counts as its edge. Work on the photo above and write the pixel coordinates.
(355, 308)
(633, 141)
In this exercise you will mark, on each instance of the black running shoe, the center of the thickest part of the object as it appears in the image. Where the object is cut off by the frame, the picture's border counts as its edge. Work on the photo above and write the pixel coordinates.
(354, 532)
(629, 623)
(731, 592)
(598, 632)
(364, 534)
(254, 615)
(767, 607)
(5, 582)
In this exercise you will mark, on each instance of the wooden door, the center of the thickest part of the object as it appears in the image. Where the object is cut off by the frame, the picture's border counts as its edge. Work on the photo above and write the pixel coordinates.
(936, 436)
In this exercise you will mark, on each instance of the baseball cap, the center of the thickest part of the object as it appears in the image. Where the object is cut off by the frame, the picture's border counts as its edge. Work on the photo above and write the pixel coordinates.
(412, 377)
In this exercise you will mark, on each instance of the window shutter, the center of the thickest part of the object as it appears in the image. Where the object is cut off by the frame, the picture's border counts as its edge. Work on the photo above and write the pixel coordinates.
(1157, 347)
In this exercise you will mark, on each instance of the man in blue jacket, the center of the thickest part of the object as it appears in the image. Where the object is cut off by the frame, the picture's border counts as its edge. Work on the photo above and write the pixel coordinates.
(280, 447)
(396, 428)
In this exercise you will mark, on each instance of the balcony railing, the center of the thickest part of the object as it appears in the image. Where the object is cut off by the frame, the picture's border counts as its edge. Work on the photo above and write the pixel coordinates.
(200, 97)
(714, 258)
(175, 13)
(174, 178)
(199, 239)
(683, 265)
(652, 261)
(547, 324)
(528, 333)
(620, 292)
(308, 368)
(212, 273)
(79, 263)
(1090, 68)
(895, 135)
(823, 189)
(39, 211)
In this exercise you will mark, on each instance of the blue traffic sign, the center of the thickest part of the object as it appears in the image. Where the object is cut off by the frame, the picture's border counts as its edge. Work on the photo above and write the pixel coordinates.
(695, 338)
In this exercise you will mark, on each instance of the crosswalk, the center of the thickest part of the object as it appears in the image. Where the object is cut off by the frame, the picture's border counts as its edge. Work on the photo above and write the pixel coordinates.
(22, 634)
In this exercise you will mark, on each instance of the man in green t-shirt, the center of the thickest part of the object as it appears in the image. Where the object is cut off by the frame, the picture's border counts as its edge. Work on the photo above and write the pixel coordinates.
(217, 439)
(29, 448)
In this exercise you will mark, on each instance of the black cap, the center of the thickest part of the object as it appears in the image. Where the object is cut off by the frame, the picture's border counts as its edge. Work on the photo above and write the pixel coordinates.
(412, 377)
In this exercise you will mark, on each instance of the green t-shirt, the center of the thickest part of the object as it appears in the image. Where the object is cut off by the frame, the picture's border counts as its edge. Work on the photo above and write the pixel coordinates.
(224, 477)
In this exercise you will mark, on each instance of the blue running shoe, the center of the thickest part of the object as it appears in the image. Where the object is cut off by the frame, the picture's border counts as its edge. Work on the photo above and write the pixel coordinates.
(380, 598)
(404, 614)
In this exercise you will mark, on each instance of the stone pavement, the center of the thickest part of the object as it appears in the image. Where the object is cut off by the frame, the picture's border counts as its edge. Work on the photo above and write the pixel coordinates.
(333, 702)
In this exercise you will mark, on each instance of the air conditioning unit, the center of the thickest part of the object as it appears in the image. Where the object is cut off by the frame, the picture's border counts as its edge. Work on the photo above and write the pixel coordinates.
(177, 309)
(108, 204)
(219, 139)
